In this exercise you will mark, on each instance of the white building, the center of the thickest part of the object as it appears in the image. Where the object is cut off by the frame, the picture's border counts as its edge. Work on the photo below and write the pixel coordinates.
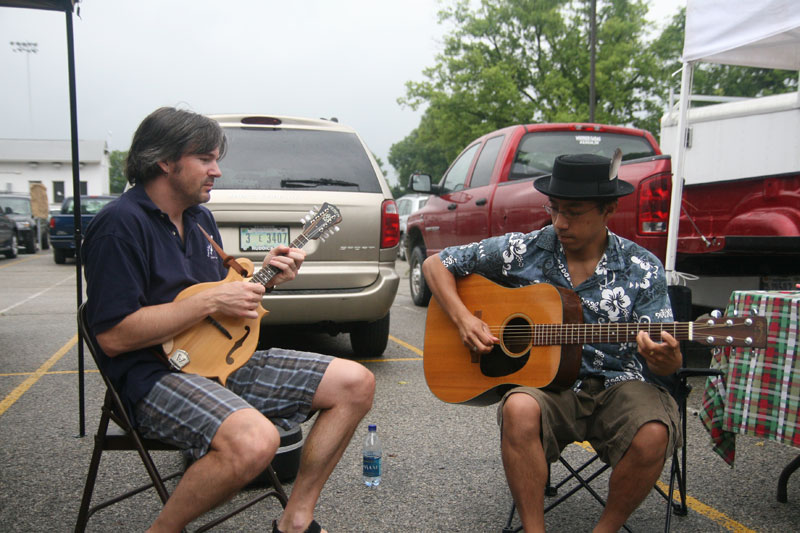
(49, 162)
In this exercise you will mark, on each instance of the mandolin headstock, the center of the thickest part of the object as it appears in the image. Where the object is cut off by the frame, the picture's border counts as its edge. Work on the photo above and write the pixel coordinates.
(321, 223)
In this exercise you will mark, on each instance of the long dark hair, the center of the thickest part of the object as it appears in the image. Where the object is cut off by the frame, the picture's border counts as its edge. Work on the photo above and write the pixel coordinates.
(166, 135)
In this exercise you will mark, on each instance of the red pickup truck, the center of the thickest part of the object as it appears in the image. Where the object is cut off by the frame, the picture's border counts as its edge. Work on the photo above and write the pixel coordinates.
(488, 189)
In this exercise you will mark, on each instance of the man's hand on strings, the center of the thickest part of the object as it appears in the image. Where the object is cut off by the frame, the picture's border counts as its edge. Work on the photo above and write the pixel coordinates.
(663, 358)
(476, 335)
(236, 298)
(286, 260)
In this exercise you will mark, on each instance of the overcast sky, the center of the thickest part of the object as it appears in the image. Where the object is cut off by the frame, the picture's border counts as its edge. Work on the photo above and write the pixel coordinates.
(348, 59)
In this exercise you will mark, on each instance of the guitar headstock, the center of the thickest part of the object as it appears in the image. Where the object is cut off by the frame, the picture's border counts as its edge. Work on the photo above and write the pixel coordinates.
(321, 223)
(743, 332)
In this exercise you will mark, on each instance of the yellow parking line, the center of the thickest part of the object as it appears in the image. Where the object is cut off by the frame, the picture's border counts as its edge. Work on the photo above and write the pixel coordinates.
(15, 394)
(53, 373)
(695, 504)
(709, 512)
(406, 345)
(18, 261)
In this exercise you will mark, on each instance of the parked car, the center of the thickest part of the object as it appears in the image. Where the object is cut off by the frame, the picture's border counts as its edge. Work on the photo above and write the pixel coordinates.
(407, 204)
(30, 230)
(278, 168)
(8, 236)
(62, 224)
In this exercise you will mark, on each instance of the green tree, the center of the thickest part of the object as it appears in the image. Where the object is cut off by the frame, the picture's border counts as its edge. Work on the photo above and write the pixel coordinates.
(116, 171)
(521, 61)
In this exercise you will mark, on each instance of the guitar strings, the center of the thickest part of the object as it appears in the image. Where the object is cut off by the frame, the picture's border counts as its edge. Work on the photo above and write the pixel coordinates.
(606, 331)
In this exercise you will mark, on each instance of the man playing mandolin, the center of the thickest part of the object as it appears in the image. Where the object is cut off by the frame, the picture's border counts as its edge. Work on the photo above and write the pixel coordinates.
(140, 252)
(631, 423)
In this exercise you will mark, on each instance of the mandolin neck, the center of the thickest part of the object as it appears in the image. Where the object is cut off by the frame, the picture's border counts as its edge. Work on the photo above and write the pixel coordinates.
(265, 275)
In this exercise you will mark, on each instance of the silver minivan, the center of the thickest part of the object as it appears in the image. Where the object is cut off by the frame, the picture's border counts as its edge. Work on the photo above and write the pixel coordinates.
(278, 170)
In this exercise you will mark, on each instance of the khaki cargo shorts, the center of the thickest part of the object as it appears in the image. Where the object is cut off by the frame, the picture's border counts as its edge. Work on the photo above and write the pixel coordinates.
(607, 418)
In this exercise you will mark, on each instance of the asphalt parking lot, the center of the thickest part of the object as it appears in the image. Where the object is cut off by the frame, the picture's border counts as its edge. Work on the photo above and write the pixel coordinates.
(442, 462)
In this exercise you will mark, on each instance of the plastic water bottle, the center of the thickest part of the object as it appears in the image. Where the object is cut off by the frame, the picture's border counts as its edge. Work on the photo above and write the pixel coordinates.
(372, 454)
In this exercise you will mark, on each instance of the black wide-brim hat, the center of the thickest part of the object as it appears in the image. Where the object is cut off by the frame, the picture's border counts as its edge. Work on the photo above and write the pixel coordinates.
(583, 176)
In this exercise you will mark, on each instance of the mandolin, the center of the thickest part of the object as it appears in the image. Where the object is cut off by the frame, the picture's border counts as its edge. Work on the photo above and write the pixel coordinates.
(541, 333)
(221, 344)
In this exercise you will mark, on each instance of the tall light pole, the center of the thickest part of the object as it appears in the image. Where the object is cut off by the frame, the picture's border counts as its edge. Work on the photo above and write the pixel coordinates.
(592, 58)
(27, 48)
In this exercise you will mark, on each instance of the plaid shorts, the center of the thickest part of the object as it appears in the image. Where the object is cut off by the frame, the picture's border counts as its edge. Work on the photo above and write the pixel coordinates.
(607, 418)
(186, 410)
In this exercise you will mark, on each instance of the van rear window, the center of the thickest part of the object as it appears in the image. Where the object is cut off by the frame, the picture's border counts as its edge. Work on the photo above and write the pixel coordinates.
(277, 158)
(538, 150)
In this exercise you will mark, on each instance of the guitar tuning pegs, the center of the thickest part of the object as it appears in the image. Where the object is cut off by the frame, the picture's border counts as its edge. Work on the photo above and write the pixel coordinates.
(336, 228)
(716, 313)
(754, 310)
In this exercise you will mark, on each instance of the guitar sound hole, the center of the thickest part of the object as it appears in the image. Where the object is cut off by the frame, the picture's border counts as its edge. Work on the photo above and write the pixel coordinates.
(516, 336)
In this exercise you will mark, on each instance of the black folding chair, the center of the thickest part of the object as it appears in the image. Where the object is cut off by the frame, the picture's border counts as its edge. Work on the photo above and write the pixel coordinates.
(123, 436)
(679, 387)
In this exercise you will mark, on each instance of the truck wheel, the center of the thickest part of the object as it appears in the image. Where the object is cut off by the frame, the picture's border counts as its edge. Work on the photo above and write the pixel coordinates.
(420, 293)
(369, 339)
(32, 244)
(12, 252)
(59, 256)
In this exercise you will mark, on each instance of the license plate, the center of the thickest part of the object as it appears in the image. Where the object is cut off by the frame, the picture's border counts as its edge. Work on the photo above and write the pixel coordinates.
(262, 238)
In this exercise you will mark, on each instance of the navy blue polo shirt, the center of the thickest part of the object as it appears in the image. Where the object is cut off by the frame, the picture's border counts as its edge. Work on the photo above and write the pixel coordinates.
(134, 257)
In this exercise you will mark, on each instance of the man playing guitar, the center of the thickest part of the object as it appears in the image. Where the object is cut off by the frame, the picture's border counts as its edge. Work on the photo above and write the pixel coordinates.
(632, 423)
(140, 252)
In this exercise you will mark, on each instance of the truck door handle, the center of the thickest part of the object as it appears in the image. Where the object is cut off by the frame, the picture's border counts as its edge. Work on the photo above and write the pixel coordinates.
(482, 201)
(450, 207)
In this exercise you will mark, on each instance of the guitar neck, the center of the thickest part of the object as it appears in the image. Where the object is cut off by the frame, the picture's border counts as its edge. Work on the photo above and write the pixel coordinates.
(265, 275)
(614, 333)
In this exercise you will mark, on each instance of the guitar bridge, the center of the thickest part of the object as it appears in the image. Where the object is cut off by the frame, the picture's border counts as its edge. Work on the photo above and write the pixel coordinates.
(179, 359)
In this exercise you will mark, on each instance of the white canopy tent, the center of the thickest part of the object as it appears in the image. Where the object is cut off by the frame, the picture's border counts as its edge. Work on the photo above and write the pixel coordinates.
(754, 33)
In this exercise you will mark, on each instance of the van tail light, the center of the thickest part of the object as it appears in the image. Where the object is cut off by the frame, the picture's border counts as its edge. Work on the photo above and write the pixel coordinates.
(654, 198)
(52, 222)
(390, 224)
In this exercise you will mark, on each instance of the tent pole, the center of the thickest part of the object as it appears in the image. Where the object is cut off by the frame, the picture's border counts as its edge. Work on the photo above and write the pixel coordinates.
(677, 174)
(76, 198)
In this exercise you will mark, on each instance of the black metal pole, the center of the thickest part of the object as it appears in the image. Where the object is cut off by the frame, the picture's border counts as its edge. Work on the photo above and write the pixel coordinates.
(76, 203)
(592, 56)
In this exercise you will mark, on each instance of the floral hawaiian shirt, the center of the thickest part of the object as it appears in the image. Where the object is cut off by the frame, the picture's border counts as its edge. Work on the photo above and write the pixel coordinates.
(628, 285)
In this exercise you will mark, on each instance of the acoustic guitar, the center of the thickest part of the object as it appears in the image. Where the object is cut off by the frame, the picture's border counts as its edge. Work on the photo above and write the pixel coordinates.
(221, 344)
(541, 333)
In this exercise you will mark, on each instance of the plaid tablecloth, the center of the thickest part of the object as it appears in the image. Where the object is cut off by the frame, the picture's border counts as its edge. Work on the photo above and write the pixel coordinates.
(759, 392)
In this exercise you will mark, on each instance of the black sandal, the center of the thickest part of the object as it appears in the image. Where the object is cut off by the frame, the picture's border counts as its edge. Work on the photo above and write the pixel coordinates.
(313, 527)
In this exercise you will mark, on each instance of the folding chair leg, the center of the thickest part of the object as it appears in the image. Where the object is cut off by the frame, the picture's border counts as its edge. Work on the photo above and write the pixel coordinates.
(91, 477)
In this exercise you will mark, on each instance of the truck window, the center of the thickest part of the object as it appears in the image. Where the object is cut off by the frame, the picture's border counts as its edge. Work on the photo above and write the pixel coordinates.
(456, 177)
(482, 174)
(538, 150)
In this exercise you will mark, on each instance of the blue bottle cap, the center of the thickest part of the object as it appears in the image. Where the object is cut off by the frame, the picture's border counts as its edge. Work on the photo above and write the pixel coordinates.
(372, 427)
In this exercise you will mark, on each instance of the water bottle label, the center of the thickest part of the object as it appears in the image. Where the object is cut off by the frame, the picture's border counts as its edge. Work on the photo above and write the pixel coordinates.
(372, 466)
